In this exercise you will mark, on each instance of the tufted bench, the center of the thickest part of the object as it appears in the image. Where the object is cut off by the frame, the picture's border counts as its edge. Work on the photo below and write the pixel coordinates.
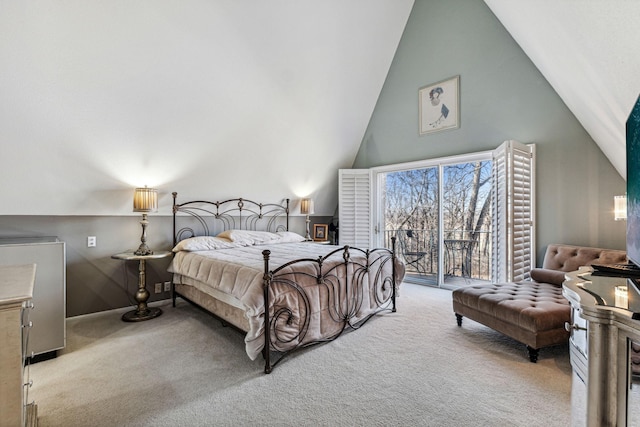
(533, 312)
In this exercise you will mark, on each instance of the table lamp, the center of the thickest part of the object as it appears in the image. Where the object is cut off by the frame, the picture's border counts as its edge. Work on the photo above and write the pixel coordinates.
(306, 208)
(145, 200)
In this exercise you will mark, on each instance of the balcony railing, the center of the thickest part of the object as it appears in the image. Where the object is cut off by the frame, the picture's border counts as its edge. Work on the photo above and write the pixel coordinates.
(465, 254)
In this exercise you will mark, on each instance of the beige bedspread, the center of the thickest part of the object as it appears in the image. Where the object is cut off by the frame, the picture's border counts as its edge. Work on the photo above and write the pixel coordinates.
(318, 311)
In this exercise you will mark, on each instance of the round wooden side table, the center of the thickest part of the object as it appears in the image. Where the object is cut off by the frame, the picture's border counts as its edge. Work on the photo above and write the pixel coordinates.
(142, 312)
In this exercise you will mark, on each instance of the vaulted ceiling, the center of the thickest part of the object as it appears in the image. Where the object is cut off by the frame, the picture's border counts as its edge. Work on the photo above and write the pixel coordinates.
(226, 97)
(589, 51)
(217, 99)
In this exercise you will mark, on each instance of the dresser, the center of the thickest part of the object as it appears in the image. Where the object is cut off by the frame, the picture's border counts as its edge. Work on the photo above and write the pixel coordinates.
(16, 293)
(49, 295)
(604, 348)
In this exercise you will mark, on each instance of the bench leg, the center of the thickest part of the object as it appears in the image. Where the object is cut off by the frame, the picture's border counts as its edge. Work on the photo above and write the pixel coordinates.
(459, 319)
(533, 354)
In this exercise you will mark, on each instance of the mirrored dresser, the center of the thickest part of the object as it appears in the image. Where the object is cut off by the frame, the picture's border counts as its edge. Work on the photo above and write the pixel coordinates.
(16, 293)
(49, 293)
(604, 348)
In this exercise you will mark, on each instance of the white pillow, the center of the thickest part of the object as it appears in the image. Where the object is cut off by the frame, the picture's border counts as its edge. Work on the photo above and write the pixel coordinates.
(203, 243)
(248, 237)
(289, 237)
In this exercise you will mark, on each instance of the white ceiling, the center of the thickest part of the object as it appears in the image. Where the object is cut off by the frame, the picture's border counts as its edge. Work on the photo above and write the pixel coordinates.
(213, 99)
(257, 99)
(589, 51)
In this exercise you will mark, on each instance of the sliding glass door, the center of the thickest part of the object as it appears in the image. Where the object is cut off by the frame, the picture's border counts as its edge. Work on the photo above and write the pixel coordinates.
(466, 213)
(440, 216)
(412, 214)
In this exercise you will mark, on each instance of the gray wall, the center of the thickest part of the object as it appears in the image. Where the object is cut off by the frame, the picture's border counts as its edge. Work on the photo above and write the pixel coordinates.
(503, 96)
(95, 281)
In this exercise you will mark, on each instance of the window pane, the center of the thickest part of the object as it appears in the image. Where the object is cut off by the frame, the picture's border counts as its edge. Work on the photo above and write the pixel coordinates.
(411, 214)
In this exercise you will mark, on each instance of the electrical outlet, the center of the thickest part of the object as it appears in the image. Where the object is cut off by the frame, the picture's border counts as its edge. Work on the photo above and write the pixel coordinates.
(91, 241)
(158, 288)
(167, 286)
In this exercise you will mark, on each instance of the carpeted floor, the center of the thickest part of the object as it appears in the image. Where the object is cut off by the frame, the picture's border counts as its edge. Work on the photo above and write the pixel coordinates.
(415, 367)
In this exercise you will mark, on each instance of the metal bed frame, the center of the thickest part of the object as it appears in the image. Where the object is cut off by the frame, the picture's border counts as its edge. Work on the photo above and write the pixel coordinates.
(345, 292)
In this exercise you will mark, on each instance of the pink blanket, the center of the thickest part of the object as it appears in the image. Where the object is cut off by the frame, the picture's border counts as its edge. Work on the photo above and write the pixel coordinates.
(309, 301)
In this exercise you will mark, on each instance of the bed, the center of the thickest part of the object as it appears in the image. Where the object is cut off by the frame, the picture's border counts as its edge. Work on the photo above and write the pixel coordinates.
(235, 257)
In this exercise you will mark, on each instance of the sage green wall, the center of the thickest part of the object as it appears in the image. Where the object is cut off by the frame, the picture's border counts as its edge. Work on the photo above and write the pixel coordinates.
(503, 96)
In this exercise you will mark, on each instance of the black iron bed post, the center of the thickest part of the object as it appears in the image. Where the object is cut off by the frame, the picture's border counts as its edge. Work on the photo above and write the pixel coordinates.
(175, 194)
(393, 273)
(346, 256)
(266, 351)
(175, 242)
(287, 212)
(240, 206)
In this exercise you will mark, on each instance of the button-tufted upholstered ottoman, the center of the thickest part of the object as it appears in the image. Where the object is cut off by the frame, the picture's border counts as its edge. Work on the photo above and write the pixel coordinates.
(533, 312)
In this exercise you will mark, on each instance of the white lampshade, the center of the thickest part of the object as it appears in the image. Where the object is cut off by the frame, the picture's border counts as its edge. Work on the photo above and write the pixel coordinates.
(620, 208)
(306, 206)
(145, 200)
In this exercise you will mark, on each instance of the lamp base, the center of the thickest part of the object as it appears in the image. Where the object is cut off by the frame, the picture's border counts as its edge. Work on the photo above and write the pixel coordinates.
(143, 250)
(308, 235)
(137, 316)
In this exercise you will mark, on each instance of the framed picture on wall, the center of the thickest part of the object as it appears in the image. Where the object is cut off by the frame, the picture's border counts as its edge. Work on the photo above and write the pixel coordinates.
(320, 232)
(439, 105)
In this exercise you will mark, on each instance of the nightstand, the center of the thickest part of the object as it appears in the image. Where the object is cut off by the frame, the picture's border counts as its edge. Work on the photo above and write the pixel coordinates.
(142, 312)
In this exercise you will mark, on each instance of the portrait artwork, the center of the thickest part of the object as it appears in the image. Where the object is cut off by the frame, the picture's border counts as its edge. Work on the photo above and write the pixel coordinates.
(439, 106)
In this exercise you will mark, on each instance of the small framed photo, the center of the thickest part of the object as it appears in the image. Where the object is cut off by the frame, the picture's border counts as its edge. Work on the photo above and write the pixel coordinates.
(439, 105)
(320, 232)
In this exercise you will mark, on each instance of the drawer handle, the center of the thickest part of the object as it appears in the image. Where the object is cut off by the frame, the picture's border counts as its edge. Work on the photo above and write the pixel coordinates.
(29, 384)
(569, 327)
(28, 325)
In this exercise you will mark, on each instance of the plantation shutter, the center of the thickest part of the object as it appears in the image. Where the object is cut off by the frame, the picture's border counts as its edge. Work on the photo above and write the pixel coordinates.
(354, 207)
(513, 212)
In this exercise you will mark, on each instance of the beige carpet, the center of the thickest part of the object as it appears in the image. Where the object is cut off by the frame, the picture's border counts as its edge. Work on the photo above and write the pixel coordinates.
(410, 368)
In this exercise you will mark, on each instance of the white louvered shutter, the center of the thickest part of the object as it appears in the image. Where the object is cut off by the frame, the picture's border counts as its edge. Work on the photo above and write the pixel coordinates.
(354, 207)
(513, 212)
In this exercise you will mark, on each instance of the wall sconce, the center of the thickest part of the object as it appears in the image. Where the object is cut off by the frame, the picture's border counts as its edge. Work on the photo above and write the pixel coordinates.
(620, 208)
(306, 208)
(145, 200)
(621, 297)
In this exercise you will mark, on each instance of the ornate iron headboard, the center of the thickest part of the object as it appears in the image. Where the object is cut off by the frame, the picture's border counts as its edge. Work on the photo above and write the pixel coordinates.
(206, 218)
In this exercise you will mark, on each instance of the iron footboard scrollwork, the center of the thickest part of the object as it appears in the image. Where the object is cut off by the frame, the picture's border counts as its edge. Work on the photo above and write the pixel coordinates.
(346, 292)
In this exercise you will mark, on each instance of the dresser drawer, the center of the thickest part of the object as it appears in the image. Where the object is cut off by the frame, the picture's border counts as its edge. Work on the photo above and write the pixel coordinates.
(578, 330)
